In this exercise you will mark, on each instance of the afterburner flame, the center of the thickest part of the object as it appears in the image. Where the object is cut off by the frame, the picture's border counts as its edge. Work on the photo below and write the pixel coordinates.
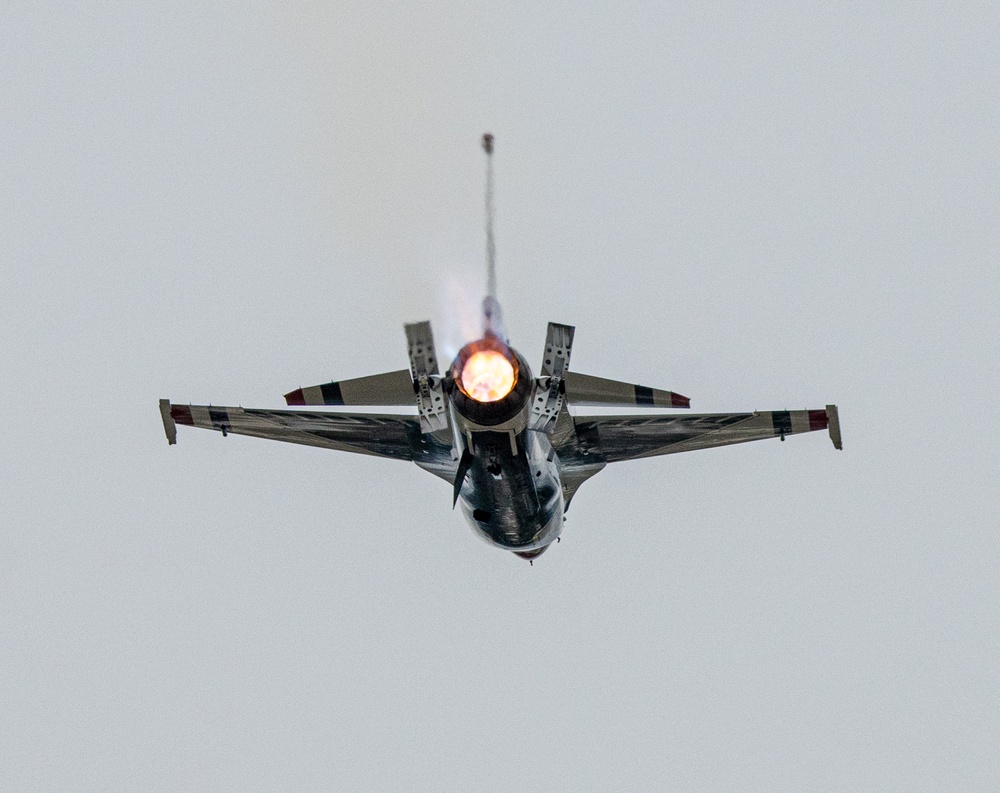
(487, 376)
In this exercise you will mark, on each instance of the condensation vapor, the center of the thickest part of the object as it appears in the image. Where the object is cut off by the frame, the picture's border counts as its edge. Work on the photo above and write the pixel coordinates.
(460, 316)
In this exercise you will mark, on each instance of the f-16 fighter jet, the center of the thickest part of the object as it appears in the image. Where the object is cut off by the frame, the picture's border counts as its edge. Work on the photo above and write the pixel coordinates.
(502, 437)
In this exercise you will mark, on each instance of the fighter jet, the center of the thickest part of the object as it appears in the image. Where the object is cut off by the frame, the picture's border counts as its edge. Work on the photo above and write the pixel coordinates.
(502, 437)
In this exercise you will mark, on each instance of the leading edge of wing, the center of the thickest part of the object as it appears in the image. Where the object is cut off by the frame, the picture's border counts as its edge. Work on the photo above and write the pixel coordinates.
(633, 437)
(382, 435)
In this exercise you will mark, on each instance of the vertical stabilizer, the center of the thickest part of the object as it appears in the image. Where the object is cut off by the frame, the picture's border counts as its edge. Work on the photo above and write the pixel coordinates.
(492, 317)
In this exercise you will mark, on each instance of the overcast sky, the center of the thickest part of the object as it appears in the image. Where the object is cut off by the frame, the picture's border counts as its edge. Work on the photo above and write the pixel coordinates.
(762, 207)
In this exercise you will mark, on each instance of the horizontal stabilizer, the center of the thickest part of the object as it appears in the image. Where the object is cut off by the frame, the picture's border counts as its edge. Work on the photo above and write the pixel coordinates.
(589, 391)
(391, 388)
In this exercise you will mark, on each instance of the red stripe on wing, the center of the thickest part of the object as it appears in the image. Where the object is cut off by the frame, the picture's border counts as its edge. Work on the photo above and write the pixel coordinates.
(181, 414)
(817, 420)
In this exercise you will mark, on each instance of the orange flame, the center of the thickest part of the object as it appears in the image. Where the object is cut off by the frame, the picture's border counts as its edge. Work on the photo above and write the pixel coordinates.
(487, 376)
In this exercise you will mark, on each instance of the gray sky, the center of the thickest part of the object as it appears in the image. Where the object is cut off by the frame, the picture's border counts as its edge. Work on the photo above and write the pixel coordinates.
(760, 208)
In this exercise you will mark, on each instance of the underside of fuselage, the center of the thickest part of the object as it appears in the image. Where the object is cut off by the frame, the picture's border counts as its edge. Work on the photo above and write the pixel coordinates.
(508, 484)
(512, 496)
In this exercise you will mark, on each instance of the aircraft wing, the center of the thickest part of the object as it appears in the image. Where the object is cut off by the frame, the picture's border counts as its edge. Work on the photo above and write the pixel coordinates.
(617, 438)
(382, 435)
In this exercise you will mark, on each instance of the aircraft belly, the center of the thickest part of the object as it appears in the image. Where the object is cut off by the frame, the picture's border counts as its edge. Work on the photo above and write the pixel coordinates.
(516, 502)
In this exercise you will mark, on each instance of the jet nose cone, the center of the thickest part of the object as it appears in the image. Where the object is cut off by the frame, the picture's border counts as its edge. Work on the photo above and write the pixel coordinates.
(532, 554)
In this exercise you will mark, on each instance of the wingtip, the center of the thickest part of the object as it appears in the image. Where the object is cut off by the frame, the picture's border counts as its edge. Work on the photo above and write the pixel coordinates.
(833, 425)
(679, 401)
(169, 426)
(295, 398)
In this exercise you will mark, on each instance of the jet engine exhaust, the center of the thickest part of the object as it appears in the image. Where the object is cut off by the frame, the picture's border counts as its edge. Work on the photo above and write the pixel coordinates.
(486, 370)
(489, 382)
(487, 376)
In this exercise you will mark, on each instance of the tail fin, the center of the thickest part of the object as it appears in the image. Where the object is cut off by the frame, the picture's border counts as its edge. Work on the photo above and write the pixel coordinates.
(492, 316)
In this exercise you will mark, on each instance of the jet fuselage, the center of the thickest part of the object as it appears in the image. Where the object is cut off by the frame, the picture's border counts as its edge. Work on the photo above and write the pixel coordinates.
(508, 483)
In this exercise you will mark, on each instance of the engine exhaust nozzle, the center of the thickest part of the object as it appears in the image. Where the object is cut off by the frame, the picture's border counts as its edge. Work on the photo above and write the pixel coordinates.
(490, 381)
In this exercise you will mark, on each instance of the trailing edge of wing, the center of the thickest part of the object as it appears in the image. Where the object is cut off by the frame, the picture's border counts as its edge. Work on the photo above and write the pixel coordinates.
(396, 437)
(588, 391)
(617, 438)
(391, 388)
